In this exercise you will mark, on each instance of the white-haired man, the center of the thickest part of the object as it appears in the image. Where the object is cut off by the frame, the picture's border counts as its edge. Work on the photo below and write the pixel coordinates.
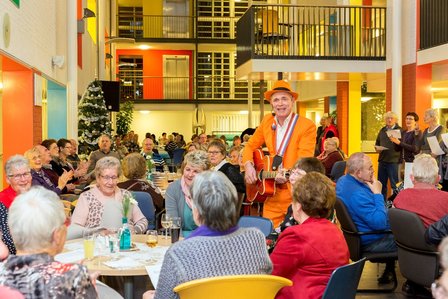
(424, 199)
(361, 194)
(104, 144)
(388, 157)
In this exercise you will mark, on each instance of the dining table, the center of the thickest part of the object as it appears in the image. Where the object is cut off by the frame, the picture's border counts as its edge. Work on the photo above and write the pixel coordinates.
(140, 260)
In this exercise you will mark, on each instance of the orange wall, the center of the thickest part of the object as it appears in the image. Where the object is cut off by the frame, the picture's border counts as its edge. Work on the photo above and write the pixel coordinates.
(153, 67)
(17, 109)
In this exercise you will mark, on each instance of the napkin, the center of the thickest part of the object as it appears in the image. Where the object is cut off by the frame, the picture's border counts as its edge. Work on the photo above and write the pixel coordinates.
(123, 263)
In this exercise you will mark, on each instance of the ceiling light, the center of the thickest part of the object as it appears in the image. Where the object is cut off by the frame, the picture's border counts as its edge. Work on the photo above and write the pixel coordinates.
(144, 111)
(144, 47)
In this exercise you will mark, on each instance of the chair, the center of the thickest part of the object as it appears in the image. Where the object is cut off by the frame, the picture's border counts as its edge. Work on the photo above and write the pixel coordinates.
(146, 206)
(263, 224)
(419, 261)
(344, 281)
(338, 170)
(235, 287)
(353, 238)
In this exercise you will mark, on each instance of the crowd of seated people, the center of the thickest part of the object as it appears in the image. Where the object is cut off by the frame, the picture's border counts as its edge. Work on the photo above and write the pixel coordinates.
(199, 192)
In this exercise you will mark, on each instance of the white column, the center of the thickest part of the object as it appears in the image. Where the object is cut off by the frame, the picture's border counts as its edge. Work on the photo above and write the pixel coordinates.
(249, 103)
(72, 71)
(395, 40)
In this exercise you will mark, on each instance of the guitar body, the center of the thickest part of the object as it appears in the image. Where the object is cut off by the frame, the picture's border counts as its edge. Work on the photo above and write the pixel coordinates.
(263, 188)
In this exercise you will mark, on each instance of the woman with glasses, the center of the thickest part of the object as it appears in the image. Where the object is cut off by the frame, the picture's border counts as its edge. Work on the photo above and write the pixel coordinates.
(60, 164)
(18, 176)
(178, 202)
(38, 226)
(299, 170)
(330, 155)
(217, 154)
(90, 211)
(40, 178)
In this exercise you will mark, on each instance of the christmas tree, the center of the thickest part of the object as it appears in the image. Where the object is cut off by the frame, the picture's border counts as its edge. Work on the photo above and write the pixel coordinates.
(93, 118)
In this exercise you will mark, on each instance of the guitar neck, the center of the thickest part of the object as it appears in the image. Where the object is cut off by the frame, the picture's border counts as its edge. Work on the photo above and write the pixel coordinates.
(268, 174)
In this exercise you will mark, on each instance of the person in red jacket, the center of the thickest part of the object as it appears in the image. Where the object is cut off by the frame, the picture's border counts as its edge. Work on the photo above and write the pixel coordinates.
(18, 176)
(309, 252)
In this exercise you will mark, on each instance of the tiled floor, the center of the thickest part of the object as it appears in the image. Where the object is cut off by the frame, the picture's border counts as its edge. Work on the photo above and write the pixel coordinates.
(369, 280)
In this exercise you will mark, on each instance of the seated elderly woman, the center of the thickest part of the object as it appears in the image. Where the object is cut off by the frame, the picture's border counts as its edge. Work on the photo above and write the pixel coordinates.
(134, 169)
(218, 247)
(309, 252)
(40, 178)
(217, 154)
(177, 196)
(300, 168)
(102, 205)
(38, 226)
(330, 155)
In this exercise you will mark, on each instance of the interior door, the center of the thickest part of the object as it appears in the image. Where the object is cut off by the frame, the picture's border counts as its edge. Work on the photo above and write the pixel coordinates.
(176, 77)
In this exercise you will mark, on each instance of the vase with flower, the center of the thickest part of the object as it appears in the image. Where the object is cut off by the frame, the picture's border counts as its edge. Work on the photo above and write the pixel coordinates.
(125, 232)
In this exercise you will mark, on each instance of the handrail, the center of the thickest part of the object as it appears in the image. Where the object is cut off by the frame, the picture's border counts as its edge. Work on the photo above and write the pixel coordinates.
(311, 32)
(140, 26)
(138, 87)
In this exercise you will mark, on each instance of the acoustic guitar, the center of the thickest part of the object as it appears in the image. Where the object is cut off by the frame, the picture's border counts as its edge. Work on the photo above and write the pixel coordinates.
(265, 185)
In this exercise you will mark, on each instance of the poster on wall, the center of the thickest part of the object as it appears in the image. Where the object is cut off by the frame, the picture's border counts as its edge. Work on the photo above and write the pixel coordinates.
(16, 2)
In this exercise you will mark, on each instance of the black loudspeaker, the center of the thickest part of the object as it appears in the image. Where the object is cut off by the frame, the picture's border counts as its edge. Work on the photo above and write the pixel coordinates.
(111, 92)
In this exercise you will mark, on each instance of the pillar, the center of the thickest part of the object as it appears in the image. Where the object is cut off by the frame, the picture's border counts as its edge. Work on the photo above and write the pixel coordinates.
(354, 113)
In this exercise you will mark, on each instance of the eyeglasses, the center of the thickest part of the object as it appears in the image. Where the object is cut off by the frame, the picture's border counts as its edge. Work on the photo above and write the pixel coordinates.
(438, 291)
(19, 176)
(108, 178)
(214, 152)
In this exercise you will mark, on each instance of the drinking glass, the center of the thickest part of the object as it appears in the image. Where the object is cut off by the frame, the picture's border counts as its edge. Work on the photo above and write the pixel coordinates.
(166, 223)
(175, 229)
(89, 244)
(151, 238)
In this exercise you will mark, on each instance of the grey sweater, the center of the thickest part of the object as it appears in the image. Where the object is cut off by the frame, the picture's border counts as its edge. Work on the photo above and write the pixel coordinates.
(241, 252)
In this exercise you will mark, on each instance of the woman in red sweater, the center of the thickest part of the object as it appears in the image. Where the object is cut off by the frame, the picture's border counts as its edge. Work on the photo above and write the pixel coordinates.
(308, 253)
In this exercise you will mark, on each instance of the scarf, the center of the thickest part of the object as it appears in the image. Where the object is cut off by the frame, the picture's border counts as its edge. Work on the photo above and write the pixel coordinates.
(186, 191)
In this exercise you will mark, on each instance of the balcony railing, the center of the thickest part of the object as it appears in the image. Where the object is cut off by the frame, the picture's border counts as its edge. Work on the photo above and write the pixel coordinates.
(186, 88)
(311, 32)
(433, 23)
(175, 27)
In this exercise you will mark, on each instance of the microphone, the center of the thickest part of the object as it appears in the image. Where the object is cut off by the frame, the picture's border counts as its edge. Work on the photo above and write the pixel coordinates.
(274, 127)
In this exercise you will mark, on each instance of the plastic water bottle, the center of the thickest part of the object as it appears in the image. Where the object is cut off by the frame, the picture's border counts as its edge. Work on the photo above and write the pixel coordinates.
(125, 235)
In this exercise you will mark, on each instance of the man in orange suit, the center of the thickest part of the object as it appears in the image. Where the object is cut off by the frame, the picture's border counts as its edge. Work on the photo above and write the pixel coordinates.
(288, 138)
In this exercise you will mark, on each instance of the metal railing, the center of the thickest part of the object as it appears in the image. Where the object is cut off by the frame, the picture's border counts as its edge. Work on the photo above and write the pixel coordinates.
(186, 88)
(175, 27)
(433, 23)
(312, 32)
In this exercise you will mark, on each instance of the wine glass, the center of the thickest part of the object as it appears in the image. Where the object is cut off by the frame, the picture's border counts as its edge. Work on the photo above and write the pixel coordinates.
(166, 223)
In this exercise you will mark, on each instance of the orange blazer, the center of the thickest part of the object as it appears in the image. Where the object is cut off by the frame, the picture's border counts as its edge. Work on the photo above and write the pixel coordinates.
(301, 144)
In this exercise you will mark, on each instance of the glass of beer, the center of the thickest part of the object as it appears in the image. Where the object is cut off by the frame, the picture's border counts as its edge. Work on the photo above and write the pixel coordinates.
(151, 238)
(175, 229)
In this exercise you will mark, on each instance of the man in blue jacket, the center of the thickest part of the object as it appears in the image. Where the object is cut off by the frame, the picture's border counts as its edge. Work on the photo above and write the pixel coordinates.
(361, 194)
